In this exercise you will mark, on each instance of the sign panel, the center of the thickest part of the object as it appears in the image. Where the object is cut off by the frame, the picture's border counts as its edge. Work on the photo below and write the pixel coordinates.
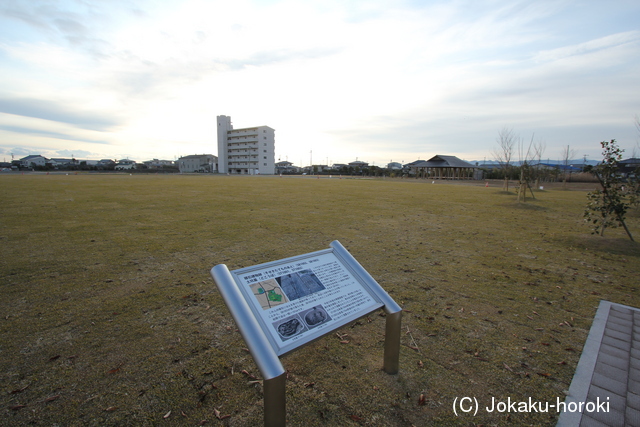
(297, 300)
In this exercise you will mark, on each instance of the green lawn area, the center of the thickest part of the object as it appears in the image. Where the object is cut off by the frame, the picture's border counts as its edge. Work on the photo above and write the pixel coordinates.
(109, 315)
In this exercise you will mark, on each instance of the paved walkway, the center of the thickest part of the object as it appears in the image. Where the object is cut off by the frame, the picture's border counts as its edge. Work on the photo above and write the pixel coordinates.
(607, 378)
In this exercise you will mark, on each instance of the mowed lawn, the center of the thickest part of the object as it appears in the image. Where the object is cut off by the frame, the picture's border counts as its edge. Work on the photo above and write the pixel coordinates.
(109, 316)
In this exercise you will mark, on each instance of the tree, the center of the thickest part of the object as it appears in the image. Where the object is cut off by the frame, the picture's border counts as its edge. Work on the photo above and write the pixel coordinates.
(503, 153)
(541, 146)
(527, 172)
(636, 122)
(567, 154)
(607, 207)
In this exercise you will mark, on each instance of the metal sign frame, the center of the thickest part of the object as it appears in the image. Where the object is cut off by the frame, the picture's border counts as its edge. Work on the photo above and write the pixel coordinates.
(312, 295)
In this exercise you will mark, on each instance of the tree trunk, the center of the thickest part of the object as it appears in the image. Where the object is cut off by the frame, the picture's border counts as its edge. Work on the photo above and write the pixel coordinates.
(627, 230)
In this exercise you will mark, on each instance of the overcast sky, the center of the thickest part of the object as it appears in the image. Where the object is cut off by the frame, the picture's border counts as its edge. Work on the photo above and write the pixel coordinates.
(373, 80)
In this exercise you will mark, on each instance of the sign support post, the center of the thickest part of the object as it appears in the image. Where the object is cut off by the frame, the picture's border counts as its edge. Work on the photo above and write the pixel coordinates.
(273, 374)
(393, 311)
(282, 305)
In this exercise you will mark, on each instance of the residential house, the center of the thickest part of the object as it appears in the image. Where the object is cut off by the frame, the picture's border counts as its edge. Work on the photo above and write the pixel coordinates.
(629, 168)
(286, 167)
(358, 164)
(107, 164)
(158, 164)
(125, 164)
(33, 161)
(205, 163)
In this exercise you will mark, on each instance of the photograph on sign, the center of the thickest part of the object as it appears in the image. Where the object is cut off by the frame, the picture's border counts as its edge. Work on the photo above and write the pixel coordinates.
(316, 316)
(299, 299)
(300, 284)
(290, 327)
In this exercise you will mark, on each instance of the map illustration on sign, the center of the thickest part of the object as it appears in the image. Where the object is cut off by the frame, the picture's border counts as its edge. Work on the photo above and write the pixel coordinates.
(269, 294)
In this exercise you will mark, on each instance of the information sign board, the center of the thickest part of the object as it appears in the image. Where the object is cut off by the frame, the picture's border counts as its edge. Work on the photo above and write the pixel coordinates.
(281, 305)
(299, 299)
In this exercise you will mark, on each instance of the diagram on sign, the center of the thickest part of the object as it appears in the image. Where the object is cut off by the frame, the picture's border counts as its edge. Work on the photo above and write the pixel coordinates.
(269, 294)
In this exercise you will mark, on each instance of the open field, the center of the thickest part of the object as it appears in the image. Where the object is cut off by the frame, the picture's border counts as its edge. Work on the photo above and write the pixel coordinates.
(109, 316)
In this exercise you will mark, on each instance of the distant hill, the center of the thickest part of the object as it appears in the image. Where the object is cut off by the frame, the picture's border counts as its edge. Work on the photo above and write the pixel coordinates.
(579, 162)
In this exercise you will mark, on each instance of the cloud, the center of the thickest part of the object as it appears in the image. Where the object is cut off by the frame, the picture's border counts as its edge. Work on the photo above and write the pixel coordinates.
(589, 47)
(363, 78)
(17, 152)
(47, 133)
(48, 110)
(78, 154)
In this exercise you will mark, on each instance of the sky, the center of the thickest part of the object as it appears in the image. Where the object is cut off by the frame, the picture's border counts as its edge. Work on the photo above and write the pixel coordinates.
(338, 80)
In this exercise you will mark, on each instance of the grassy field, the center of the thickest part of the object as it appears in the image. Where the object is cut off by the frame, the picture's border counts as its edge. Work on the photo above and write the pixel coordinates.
(109, 316)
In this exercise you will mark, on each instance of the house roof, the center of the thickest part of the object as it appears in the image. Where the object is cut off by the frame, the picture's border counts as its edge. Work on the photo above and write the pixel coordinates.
(440, 161)
(415, 162)
(32, 156)
(197, 156)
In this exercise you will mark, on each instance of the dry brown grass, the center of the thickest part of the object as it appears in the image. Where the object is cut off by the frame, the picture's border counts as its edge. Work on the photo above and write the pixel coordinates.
(109, 316)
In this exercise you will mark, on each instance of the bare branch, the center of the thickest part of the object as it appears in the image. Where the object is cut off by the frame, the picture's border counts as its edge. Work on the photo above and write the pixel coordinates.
(506, 140)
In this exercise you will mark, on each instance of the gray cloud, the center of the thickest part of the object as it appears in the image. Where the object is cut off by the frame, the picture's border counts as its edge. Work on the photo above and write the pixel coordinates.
(48, 110)
(17, 152)
(57, 23)
(74, 153)
(276, 56)
(49, 134)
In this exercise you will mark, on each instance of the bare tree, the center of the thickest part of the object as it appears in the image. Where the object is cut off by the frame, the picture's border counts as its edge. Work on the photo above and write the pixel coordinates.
(527, 172)
(504, 152)
(636, 121)
(567, 154)
(541, 147)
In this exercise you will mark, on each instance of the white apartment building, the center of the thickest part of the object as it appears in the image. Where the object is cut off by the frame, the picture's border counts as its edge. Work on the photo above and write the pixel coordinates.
(245, 151)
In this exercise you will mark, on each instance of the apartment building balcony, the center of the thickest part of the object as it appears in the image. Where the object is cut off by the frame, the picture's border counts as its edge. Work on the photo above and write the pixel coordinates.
(243, 149)
(242, 158)
(243, 164)
(243, 132)
(242, 144)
